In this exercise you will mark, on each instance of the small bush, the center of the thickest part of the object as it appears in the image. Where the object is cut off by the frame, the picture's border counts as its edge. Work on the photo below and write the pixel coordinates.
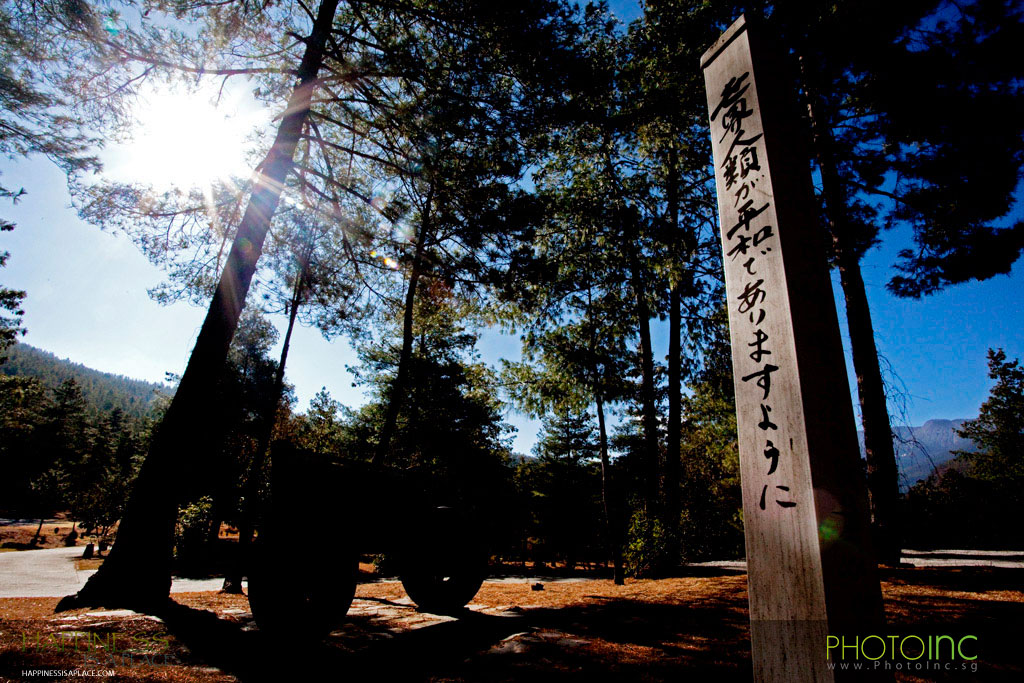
(190, 535)
(647, 545)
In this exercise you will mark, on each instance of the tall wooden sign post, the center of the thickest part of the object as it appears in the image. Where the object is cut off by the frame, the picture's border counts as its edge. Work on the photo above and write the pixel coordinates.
(810, 567)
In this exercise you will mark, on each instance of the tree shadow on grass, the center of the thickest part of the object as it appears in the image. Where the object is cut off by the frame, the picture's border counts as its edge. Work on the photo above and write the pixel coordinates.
(620, 639)
(608, 639)
(364, 646)
(614, 640)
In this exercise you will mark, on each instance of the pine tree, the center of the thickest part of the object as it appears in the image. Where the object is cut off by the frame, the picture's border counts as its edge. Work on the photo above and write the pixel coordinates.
(450, 422)
(23, 403)
(999, 428)
(965, 502)
(319, 429)
(137, 572)
(33, 119)
(599, 226)
(572, 365)
(66, 438)
(668, 109)
(564, 484)
(10, 301)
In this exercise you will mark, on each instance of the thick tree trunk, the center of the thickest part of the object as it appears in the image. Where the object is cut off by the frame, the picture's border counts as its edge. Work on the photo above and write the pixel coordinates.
(611, 522)
(396, 397)
(883, 474)
(137, 571)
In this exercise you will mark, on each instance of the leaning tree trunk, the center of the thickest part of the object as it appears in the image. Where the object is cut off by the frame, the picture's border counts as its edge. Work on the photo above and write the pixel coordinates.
(137, 571)
(883, 474)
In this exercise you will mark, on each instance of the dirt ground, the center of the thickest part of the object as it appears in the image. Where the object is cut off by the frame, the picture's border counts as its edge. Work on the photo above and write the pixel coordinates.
(685, 628)
(18, 534)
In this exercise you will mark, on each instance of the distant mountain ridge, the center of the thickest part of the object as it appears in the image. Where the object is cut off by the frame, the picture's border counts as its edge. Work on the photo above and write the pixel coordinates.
(103, 391)
(919, 450)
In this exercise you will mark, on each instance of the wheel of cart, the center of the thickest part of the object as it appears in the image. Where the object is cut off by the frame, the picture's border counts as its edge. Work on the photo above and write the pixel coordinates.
(444, 564)
(300, 593)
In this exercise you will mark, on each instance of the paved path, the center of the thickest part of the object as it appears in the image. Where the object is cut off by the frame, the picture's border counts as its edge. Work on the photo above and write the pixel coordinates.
(1003, 559)
(51, 573)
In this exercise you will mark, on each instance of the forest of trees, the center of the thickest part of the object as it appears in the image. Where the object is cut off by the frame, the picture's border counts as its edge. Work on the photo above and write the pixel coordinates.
(102, 391)
(61, 451)
(438, 169)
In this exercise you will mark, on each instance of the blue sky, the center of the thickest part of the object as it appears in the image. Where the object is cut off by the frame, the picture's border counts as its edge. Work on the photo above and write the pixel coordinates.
(87, 301)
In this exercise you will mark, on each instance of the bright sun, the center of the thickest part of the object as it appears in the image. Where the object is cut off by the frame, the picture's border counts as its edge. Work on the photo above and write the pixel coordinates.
(185, 139)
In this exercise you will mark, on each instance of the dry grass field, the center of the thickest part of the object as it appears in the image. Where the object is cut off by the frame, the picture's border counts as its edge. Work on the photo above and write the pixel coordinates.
(684, 628)
(19, 535)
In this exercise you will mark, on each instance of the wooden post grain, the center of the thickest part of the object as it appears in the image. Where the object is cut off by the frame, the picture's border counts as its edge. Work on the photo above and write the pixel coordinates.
(810, 566)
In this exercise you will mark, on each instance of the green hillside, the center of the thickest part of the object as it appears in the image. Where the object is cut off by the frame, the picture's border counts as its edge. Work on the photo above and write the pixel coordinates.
(103, 391)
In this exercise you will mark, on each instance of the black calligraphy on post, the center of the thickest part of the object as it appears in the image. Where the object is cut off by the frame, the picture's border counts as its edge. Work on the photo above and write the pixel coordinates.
(751, 238)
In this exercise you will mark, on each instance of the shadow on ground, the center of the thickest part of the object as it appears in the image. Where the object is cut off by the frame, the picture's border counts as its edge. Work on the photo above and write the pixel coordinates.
(612, 640)
(605, 638)
(664, 630)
